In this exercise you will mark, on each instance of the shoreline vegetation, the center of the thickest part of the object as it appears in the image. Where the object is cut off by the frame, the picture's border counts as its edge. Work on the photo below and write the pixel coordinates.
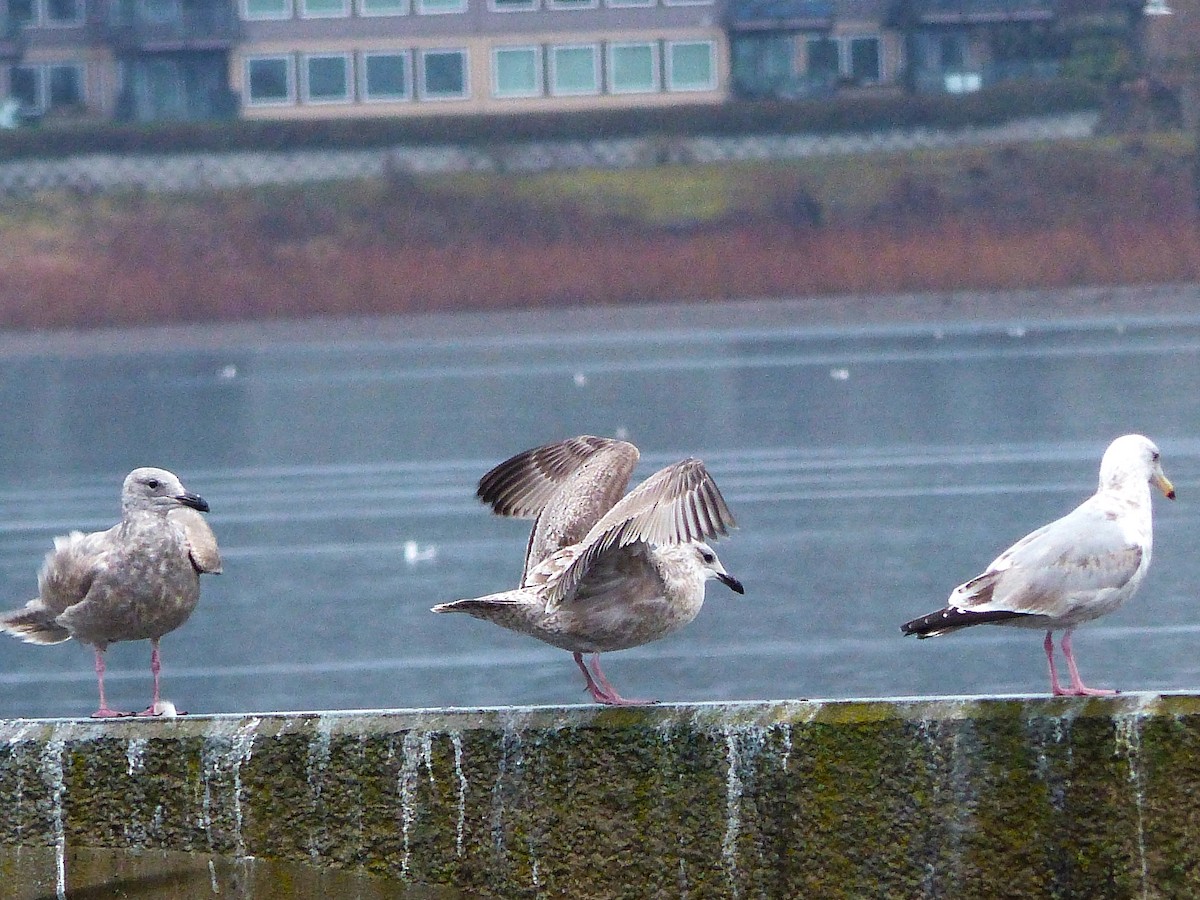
(1100, 212)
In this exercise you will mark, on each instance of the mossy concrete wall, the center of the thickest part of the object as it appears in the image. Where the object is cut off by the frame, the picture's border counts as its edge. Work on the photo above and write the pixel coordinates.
(953, 798)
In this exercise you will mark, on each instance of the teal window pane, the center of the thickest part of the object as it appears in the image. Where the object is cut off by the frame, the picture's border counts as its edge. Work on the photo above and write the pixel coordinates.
(691, 66)
(386, 77)
(322, 8)
(575, 70)
(328, 78)
(517, 72)
(441, 6)
(267, 9)
(383, 7)
(445, 74)
(267, 81)
(632, 68)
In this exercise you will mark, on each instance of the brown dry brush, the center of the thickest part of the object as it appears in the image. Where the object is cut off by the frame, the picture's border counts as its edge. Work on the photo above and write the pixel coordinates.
(179, 282)
(397, 248)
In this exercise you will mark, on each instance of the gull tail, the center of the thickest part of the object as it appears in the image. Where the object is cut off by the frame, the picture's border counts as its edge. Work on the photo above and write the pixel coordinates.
(944, 621)
(481, 607)
(34, 624)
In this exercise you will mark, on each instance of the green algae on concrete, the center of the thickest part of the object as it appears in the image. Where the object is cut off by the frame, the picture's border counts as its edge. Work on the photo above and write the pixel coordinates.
(892, 798)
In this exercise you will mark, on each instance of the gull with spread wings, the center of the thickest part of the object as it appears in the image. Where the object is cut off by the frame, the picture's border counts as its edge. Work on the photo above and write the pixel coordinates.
(604, 572)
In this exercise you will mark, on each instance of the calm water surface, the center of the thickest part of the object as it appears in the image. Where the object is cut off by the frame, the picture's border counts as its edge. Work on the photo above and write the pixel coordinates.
(871, 471)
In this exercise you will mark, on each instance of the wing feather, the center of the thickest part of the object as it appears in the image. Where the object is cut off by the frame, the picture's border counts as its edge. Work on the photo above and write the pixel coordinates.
(663, 509)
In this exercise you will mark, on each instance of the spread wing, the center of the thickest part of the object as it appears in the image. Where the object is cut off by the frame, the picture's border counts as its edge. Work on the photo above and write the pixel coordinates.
(521, 487)
(678, 504)
(566, 486)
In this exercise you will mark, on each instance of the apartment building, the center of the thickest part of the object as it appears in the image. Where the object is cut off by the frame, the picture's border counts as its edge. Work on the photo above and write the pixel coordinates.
(148, 60)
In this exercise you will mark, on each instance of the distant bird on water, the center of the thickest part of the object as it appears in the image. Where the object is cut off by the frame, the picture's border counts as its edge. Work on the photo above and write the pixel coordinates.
(604, 572)
(1075, 569)
(139, 579)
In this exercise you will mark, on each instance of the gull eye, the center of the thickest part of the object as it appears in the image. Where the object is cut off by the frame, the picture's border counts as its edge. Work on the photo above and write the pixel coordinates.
(1154, 456)
(707, 556)
(152, 484)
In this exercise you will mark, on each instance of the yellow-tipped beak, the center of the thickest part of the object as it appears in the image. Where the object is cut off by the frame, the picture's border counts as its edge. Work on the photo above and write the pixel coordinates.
(1161, 482)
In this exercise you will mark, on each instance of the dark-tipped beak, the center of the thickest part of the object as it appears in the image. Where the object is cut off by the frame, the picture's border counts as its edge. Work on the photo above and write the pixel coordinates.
(195, 501)
(1163, 483)
(732, 583)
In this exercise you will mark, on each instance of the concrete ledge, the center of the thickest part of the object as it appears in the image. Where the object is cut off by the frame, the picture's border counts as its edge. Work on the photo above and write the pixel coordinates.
(900, 798)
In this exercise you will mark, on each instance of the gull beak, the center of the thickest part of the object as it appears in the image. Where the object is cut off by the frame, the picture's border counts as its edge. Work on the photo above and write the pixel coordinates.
(730, 582)
(1160, 481)
(195, 501)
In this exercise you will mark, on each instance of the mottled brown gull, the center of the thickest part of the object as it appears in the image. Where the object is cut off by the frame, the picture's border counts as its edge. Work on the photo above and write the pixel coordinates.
(139, 579)
(1075, 569)
(604, 572)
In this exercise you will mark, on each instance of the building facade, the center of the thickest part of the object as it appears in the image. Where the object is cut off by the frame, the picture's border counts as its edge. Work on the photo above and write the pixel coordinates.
(152, 60)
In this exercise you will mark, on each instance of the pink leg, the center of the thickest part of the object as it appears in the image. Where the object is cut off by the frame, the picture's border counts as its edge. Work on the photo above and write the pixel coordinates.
(1078, 688)
(104, 712)
(1048, 644)
(597, 692)
(613, 698)
(155, 668)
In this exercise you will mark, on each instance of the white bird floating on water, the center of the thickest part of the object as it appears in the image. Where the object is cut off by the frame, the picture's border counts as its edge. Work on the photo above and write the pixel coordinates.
(139, 579)
(1075, 569)
(604, 572)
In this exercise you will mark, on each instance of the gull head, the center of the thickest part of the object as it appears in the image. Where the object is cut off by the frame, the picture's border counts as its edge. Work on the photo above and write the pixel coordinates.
(148, 488)
(712, 568)
(1132, 458)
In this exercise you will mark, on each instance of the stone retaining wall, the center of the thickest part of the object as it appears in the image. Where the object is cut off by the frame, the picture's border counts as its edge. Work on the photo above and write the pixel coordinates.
(199, 171)
(953, 798)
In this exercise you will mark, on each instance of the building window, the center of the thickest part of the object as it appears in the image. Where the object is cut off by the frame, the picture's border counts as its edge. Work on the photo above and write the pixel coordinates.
(572, 4)
(632, 68)
(22, 12)
(823, 58)
(382, 7)
(574, 70)
(64, 86)
(517, 71)
(269, 80)
(690, 66)
(324, 9)
(64, 12)
(513, 5)
(439, 7)
(386, 76)
(864, 65)
(443, 74)
(161, 11)
(25, 86)
(623, 3)
(266, 9)
(40, 88)
(326, 78)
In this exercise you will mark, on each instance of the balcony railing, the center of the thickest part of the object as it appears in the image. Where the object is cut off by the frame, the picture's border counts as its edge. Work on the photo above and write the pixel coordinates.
(165, 25)
(950, 12)
(780, 15)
